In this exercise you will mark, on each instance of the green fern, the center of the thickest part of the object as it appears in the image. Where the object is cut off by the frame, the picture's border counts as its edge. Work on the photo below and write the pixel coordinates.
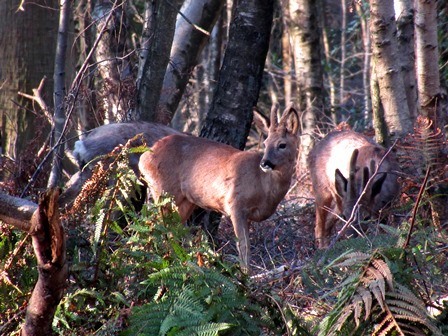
(371, 301)
(195, 301)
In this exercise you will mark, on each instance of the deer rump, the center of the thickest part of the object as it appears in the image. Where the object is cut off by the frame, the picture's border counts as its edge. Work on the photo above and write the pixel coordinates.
(340, 166)
(243, 185)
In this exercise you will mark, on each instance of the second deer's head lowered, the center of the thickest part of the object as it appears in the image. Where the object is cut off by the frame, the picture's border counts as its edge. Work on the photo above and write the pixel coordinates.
(341, 165)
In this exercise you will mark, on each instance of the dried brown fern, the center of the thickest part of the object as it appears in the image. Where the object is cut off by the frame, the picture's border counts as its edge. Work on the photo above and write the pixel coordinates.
(426, 149)
(373, 297)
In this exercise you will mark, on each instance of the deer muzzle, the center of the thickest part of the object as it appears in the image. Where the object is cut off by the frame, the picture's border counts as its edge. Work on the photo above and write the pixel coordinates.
(266, 165)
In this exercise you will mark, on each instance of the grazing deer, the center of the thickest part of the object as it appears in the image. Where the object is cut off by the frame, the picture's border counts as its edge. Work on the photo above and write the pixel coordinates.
(101, 141)
(244, 185)
(340, 165)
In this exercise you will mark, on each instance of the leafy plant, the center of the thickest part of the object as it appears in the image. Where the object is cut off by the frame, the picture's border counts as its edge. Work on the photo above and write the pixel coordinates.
(371, 302)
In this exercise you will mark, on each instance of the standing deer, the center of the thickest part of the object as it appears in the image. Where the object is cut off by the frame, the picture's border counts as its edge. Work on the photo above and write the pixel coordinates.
(340, 165)
(244, 185)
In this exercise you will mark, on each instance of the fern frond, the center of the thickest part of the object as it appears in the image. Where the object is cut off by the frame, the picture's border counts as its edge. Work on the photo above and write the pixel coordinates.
(357, 304)
(367, 299)
(390, 324)
(405, 308)
(378, 289)
(351, 259)
(384, 269)
(209, 329)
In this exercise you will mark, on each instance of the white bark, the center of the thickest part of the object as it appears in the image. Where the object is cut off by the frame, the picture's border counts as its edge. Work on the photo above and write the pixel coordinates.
(387, 65)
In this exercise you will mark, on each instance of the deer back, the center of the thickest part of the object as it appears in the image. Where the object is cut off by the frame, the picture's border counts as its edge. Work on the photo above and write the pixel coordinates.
(340, 166)
(219, 177)
(102, 140)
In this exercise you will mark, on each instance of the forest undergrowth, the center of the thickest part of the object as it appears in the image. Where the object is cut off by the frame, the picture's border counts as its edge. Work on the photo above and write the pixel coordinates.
(138, 273)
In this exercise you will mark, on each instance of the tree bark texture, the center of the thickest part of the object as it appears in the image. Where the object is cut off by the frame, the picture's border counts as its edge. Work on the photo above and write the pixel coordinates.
(230, 115)
(305, 33)
(16, 211)
(49, 246)
(161, 34)
(59, 92)
(23, 64)
(387, 65)
(427, 59)
(404, 16)
(113, 67)
(188, 44)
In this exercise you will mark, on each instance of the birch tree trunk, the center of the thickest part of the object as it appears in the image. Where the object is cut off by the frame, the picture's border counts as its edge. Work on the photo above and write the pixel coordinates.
(427, 60)
(387, 67)
(239, 82)
(362, 10)
(161, 34)
(305, 34)
(430, 98)
(189, 40)
(59, 119)
(112, 65)
(404, 14)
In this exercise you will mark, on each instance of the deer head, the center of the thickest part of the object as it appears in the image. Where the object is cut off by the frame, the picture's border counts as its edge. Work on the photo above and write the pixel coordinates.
(347, 175)
(243, 185)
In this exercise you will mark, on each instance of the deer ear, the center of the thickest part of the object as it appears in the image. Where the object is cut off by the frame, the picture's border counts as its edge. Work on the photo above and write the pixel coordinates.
(378, 184)
(340, 183)
(274, 120)
(261, 121)
(293, 125)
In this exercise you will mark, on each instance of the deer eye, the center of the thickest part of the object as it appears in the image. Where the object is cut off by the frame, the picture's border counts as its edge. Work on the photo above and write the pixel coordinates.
(282, 146)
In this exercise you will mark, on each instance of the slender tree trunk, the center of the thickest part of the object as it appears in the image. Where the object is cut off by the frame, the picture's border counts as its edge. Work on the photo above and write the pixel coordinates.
(154, 66)
(387, 66)
(363, 13)
(287, 58)
(59, 119)
(305, 33)
(86, 107)
(230, 116)
(189, 41)
(110, 55)
(329, 63)
(379, 123)
(343, 51)
(405, 34)
(427, 60)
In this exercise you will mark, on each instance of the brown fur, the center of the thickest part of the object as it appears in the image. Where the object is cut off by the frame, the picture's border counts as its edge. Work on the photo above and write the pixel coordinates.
(332, 190)
(244, 185)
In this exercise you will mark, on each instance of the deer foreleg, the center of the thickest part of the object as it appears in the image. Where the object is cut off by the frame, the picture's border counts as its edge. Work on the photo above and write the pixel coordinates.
(241, 228)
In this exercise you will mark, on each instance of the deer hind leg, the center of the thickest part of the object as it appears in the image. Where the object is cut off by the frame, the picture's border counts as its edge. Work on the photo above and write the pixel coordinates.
(185, 209)
(241, 229)
(322, 230)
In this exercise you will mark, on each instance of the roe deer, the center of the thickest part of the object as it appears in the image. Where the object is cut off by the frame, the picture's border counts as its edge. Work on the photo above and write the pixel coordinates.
(340, 166)
(101, 141)
(244, 185)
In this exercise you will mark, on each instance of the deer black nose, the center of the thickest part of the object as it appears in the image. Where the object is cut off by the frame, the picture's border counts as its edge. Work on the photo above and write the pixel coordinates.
(266, 165)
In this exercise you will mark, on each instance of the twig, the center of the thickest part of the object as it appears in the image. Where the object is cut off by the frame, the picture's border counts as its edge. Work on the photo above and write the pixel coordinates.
(38, 98)
(414, 210)
(202, 30)
(355, 208)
